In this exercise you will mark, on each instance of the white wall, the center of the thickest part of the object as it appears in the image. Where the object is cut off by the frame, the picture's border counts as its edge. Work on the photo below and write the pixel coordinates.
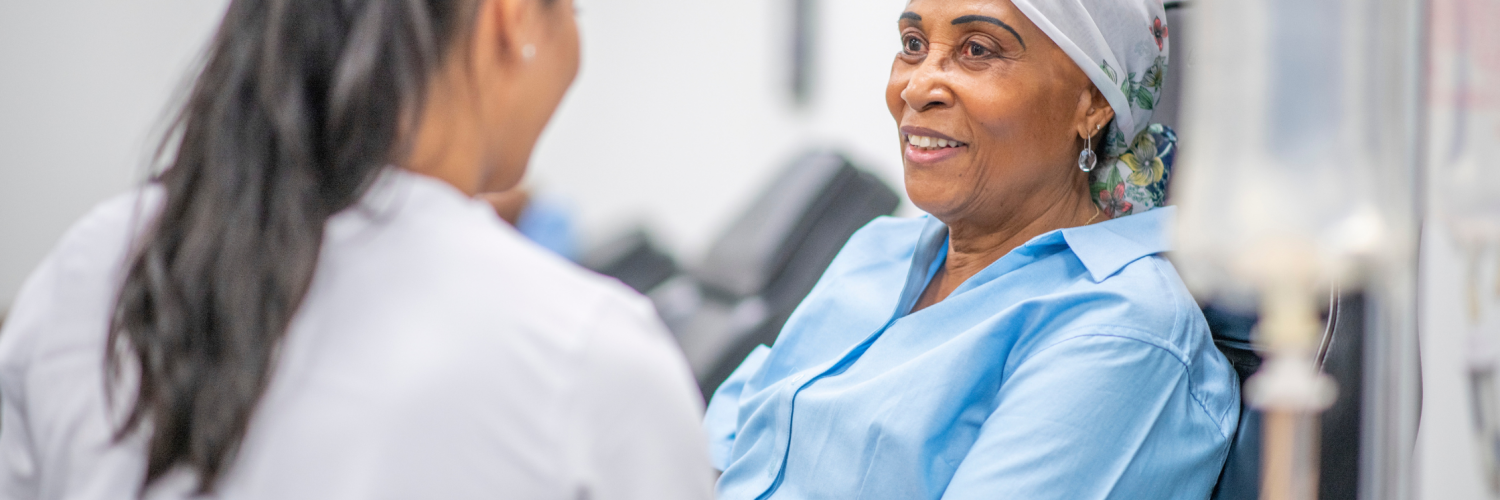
(679, 116)
(681, 111)
(82, 84)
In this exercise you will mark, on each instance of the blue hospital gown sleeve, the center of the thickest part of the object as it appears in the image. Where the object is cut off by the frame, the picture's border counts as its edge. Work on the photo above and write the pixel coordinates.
(721, 421)
(1096, 416)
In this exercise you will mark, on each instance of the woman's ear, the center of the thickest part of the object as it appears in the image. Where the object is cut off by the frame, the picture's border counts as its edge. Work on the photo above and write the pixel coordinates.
(1094, 112)
(501, 28)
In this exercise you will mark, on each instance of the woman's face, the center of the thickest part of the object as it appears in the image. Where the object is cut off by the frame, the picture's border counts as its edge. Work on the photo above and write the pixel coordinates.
(990, 110)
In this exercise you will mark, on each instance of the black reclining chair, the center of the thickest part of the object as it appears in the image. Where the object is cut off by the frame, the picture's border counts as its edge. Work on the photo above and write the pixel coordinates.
(758, 270)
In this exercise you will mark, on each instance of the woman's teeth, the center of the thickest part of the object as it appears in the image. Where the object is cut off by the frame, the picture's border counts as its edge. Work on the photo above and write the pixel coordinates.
(931, 142)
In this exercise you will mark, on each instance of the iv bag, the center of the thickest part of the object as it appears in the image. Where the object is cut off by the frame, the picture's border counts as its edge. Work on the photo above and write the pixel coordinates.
(1298, 143)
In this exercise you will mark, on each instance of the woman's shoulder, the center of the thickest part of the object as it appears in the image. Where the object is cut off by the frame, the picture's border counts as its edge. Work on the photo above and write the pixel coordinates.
(1119, 278)
(1142, 309)
(110, 226)
(468, 262)
(874, 260)
(96, 244)
(1145, 301)
(422, 229)
(885, 240)
(66, 299)
(501, 314)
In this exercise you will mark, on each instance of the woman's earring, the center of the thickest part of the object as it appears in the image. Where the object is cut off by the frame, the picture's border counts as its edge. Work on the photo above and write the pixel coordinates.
(1086, 158)
(528, 52)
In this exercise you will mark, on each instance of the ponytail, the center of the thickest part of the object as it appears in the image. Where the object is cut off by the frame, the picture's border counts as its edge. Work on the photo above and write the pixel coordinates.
(298, 107)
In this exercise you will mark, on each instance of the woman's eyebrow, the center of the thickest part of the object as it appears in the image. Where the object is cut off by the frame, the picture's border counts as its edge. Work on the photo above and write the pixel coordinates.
(911, 16)
(987, 19)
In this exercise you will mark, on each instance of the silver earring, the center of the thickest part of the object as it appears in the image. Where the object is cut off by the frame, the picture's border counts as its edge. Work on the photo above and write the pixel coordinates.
(1086, 158)
(528, 52)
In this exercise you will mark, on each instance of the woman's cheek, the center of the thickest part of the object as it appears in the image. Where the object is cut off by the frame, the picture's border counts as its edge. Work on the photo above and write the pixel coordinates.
(893, 100)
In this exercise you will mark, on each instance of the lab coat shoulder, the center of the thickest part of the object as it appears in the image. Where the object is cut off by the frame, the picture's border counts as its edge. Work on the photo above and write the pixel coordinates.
(469, 257)
(638, 401)
(635, 400)
(50, 351)
(626, 393)
(80, 272)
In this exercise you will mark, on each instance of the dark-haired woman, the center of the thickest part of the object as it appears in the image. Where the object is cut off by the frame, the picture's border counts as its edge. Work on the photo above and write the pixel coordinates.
(309, 303)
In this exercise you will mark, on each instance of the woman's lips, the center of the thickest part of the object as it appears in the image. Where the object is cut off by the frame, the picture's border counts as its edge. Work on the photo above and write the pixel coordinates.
(933, 148)
(927, 156)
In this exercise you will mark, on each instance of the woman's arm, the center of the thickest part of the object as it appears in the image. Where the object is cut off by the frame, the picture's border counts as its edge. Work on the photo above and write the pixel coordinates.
(1095, 417)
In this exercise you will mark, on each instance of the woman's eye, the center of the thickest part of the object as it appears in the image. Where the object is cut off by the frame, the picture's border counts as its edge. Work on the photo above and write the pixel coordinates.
(912, 45)
(977, 50)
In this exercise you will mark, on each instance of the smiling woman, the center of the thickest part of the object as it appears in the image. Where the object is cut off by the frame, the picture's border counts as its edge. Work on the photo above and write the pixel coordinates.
(1026, 339)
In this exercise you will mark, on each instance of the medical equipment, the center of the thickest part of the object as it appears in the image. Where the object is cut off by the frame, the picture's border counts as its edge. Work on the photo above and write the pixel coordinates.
(1303, 121)
(1464, 140)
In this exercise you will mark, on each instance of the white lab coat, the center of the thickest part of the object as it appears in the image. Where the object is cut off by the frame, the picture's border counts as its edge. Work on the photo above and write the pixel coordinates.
(438, 354)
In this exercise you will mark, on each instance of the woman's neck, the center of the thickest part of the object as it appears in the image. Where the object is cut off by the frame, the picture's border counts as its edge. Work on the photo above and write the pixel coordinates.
(446, 140)
(975, 244)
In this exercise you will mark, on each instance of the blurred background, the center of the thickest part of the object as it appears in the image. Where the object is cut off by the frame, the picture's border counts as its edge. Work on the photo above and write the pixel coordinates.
(684, 113)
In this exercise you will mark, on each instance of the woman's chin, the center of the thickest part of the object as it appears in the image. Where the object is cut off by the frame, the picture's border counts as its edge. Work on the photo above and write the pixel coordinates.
(931, 157)
(935, 198)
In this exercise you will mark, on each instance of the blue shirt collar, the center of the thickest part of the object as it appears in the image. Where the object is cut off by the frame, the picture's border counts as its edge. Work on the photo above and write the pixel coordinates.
(1107, 247)
(1104, 248)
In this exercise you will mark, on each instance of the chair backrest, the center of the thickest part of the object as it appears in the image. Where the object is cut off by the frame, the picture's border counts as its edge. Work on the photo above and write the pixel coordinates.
(1340, 351)
(770, 258)
(634, 259)
(1240, 479)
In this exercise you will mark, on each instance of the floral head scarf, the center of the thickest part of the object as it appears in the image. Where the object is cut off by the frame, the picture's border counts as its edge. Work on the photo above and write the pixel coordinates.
(1122, 46)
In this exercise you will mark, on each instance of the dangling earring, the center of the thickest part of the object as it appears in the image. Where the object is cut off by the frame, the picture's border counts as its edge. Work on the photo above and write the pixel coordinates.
(528, 52)
(1086, 158)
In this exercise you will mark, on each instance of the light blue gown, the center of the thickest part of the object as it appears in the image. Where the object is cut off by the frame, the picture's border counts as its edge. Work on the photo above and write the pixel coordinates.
(1075, 367)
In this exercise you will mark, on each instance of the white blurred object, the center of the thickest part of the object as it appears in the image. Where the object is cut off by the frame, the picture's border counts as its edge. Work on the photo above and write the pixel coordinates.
(1483, 361)
(1301, 139)
(1483, 342)
(1464, 147)
(1293, 167)
(1464, 125)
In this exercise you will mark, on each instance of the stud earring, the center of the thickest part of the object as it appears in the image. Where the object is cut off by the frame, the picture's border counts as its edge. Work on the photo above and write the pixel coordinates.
(1086, 158)
(528, 52)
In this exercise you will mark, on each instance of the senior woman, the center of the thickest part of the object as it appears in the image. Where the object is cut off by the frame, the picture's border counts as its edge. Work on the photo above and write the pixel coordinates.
(1025, 340)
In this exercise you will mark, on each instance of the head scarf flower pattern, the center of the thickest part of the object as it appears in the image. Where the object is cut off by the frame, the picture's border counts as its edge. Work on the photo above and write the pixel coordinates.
(1123, 46)
(1136, 180)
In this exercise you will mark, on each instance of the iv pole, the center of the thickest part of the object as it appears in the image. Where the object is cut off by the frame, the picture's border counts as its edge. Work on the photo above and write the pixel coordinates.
(1308, 121)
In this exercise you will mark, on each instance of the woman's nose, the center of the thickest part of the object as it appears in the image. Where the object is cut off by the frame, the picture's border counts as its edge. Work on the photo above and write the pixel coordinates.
(928, 86)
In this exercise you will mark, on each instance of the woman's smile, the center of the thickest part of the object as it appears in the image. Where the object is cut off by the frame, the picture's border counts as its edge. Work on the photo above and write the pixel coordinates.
(925, 146)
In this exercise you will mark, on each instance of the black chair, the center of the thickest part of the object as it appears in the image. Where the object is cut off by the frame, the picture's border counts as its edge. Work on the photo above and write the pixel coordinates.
(759, 269)
(762, 267)
(1340, 354)
(1240, 479)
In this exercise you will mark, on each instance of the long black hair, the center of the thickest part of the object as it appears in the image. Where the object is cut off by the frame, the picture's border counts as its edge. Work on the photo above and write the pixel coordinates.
(298, 107)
